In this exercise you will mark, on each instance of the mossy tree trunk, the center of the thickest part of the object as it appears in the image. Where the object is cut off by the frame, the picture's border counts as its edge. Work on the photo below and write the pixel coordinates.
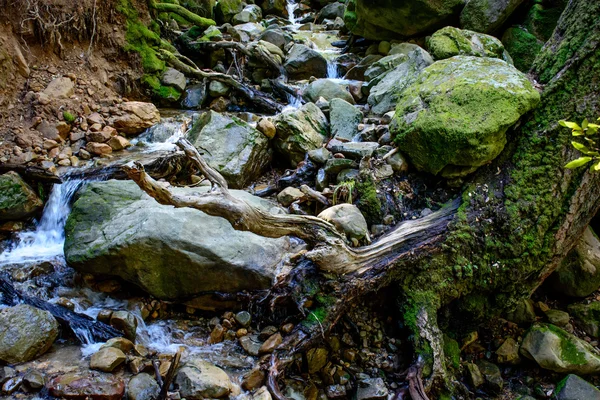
(516, 220)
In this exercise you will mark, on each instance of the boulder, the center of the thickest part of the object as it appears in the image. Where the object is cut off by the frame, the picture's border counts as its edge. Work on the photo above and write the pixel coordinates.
(136, 117)
(117, 230)
(329, 90)
(275, 35)
(492, 375)
(238, 151)
(25, 333)
(344, 118)
(91, 385)
(198, 380)
(302, 62)
(385, 87)
(299, 131)
(587, 317)
(226, 9)
(347, 219)
(60, 88)
(579, 273)
(276, 7)
(573, 387)
(107, 359)
(454, 117)
(174, 78)
(17, 198)
(559, 351)
(250, 29)
(331, 11)
(142, 387)
(357, 71)
(195, 96)
(250, 13)
(487, 15)
(450, 41)
(389, 19)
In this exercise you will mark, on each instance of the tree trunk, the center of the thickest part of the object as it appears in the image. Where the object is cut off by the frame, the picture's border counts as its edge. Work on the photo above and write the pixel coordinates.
(516, 219)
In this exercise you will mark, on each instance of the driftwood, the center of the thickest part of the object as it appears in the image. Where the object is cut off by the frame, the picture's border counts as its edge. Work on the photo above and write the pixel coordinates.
(86, 329)
(164, 390)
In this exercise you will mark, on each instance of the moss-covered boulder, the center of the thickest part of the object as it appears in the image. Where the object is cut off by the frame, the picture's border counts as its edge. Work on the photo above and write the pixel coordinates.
(299, 131)
(587, 317)
(172, 253)
(392, 19)
(487, 15)
(559, 351)
(226, 9)
(522, 46)
(454, 117)
(449, 42)
(579, 273)
(542, 18)
(231, 146)
(17, 199)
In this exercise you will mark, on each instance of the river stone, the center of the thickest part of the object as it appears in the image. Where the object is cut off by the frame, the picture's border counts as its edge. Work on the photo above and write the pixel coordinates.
(198, 380)
(172, 253)
(33, 380)
(250, 13)
(558, 317)
(331, 11)
(238, 151)
(17, 198)
(289, 195)
(329, 90)
(573, 387)
(559, 351)
(25, 333)
(251, 344)
(91, 385)
(216, 89)
(355, 150)
(299, 131)
(348, 219)
(107, 359)
(125, 322)
(123, 344)
(473, 375)
(136, 117)
(508, 352)
(384, 93)
(277, 7)
(389, 19)
(384, 65)
(492, 375)
(275, 35)
(487, 15)
(316, 359)
(344, 118)
(174, 78)
(579, 273)
(587, 317)
(371, 389)
(357, 71)
(60, 88)
(302, 62)
(454, 117)
(142, 387)
(450, 41)
(195, 96)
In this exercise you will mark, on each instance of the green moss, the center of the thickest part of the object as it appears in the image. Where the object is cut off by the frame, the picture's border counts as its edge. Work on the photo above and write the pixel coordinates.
(522, 46)
(541, 20)
(159, 90)
(69, 118)
(452, 351)
(368, 201)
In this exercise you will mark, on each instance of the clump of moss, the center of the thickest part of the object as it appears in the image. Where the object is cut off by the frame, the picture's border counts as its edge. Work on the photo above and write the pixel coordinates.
(69, 118)
(451, 351)
(368, 202)
(159, 90)
(522, 46)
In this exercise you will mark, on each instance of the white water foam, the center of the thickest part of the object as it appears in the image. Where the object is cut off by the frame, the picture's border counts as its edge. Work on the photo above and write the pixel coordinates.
(291, 8)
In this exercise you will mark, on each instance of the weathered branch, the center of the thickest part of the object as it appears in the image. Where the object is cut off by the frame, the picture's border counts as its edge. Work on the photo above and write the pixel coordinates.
(182, 12)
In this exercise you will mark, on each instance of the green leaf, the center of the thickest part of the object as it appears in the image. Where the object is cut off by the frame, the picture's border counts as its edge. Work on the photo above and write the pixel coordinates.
(581, 147)
(567, 124)
(577, 133)
(596, 166)
(579, 162)
(584, 124)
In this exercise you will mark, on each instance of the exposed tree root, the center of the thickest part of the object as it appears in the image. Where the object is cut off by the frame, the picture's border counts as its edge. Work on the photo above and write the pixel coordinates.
(182, 12)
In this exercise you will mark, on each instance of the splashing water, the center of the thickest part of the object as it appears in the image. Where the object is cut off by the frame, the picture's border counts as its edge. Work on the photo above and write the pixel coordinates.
(163, 135)
(332, 70)
(291, 8)
(47, 240)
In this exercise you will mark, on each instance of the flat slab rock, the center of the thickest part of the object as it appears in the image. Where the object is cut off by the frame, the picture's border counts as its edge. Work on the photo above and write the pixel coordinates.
(89, 386)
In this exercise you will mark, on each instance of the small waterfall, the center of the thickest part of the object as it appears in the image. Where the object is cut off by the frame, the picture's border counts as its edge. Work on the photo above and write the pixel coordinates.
(47, 240)
(332, 70)
(165, 134)
(291, 8)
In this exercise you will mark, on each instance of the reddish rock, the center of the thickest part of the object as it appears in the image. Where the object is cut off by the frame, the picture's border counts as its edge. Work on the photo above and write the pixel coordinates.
(118, 143)
(137, 117)
(93, 386)
(98, 148)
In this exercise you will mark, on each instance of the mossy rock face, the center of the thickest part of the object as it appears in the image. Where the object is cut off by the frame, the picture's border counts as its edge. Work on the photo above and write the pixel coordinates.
(522, 46)
(392, 19)
(587, 317)
(487, 15)
(17, 199)
(542, 19)
(559, 351)
(226, 9)
(449, 42)
(454, 117)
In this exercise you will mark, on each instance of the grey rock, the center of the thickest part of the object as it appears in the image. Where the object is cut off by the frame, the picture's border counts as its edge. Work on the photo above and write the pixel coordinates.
(289, 195)
(344, 119)
(573, 387)
(558, 317)
(60, 88)
(198, 379)
(355, 150)
(243, 318)
(348, 219)
(587, 317)
(524, 313)
(334, 166)
(349, 174)
(329, 90)
(371, 389)
(492, 375)
(142, 387)
(195, 96)
(251, 344)
(174, 78)
(302, 62)
(216, 89)
(487, 15)
(320, 155)
(250, 13)
(331, 11)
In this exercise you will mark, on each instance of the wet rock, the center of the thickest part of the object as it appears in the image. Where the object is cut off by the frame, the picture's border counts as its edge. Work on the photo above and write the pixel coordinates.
(262, 394)
(250, 13)
(142, 387)
(123, 344)
(334, 166)
(226, 9)
(243, 318)
(275, 36)
(468, 146)
(95, 386)
(587, 317)
(107, 359)
(487, 16)
(251, 344)
(249, 30)
(174, 78)
(17, 198)
(217, 335)
(195, 96)
(474, 375)
(355, 150)
(220, 104)
(118, 143)
(198, 379)
(136, 117)
(554, 349)
(271, 344)
(25, 333)
(508, 352)
(371, 389)
(60, 88)
(344, 119)
(12, 385)
(125, 322)
(579, 273)
(183, 250)
(289, 195)
(329, 90)
(336, 392)
(33, 380)
(558, 317)
(299, 131)
(450, 41)
(216, 89)
(330, 11)
(231, 146)
(302, 62)
(492, 375)
(320, 155)
(316, 358)
(573, 387)
(7, 373)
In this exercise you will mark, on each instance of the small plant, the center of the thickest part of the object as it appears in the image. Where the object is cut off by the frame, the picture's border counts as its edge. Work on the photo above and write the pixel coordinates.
(69, 118)
(343, 192)
(589, 148)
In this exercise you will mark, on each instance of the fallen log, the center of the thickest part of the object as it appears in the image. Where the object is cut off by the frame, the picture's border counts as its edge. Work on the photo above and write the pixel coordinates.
(86, 329)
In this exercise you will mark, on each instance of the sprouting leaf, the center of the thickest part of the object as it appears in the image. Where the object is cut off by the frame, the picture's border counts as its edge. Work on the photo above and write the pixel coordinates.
(592, 129)
(584, 124)
(577, 132)
(567, 124)
(578, 162)
(596, 166)
(581, 147)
